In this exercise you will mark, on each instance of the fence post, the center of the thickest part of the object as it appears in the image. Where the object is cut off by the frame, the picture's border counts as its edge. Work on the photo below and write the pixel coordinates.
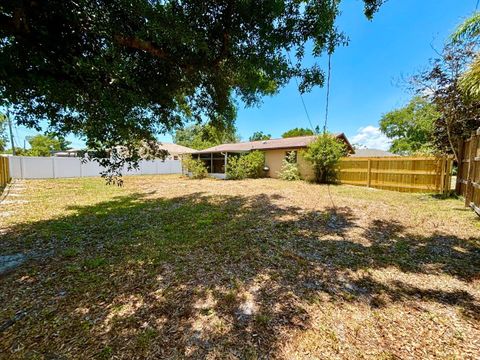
(460, 165)
(449, 173)
(471, 168)
(369, 173)
(53, 166)
(3, 177)
(22, 168)
(7, 169)
(442, 175)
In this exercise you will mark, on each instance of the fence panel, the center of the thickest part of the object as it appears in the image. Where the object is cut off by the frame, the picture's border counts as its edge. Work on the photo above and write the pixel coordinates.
(468, 176)
(406, 174)
(4, 171)
(29, 167)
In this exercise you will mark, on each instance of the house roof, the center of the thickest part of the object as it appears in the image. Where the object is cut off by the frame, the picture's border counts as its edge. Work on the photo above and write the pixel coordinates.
(283, 143)
(372, 153)
(175, 149)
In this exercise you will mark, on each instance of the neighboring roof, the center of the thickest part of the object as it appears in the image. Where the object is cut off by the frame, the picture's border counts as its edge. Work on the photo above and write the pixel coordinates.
(175, 148)
(65, 153)
(283, 143)
(371, 153)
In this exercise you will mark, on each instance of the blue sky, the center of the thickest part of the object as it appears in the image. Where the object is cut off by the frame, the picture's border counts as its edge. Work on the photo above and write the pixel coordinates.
(365, 74)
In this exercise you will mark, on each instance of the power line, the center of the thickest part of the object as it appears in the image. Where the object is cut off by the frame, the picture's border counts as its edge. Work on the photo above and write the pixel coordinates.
(301, 96)
(329, 74)
(328, 91)
(476, 6)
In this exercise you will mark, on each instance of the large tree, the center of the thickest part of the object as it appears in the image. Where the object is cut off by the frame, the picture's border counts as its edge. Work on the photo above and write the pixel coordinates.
(259, 135)
(297, 132)
(200, 136)
(117, 72)
(44, 145)
(459, 116)
(411, 127)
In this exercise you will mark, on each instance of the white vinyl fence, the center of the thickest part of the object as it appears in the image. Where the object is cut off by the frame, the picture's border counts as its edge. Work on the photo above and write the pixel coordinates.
(33, 167)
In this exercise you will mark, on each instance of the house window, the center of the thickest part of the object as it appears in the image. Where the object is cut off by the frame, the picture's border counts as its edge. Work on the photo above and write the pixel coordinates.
(287, 156)
(175, 157)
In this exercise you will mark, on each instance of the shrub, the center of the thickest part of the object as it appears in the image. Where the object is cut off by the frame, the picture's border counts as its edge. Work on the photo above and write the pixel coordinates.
(248, 165)
(324, 154)
(194, 166)
(289, 169)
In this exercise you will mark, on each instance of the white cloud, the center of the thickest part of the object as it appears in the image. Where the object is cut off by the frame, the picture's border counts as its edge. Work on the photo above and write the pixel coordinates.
(371, 137)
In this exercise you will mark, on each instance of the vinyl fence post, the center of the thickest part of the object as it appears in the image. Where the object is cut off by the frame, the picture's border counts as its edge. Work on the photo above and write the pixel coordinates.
(53, 166)
(22, 168)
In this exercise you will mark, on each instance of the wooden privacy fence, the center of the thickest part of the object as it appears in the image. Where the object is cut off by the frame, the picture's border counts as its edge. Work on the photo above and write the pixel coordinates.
(468, 176)
(406, 174)
(4, 171)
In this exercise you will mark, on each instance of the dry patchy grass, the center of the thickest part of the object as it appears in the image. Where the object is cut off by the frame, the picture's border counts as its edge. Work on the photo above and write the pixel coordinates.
(166, 267)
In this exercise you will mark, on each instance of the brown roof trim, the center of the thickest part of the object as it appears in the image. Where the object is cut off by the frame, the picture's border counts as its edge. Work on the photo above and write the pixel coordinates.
(350, 148)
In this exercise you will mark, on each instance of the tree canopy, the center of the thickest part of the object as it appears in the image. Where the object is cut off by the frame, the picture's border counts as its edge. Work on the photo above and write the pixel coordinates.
(44, 145)
(297, 132)
(259, 135)
(200, 136)
(469, 31)
(118, 72)
(459, 116)
(411, 127)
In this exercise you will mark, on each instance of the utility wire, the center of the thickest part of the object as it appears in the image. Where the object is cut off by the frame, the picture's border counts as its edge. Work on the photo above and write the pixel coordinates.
(329, 74)
(301, 96)
(476, 6)
(328, 91)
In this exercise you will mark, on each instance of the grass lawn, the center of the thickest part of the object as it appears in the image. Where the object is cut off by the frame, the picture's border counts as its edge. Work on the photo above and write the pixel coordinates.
(171, 268)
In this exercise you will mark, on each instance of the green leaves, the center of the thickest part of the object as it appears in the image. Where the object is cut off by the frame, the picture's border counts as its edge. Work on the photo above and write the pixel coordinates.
(469, 29)
(411, 127)
(259, 135)
(324, 154)
(289, 169)
(245, 166)
(297, 132)
(200, 136)
(195, 167)
(3, 132)
(44, 145)
(120, 72)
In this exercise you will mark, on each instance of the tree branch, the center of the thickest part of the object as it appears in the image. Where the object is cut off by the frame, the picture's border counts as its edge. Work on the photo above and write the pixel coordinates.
(139, 44)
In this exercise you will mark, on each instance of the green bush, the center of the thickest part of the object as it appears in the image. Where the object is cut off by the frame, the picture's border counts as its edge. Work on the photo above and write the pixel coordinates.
(289, 169)
(324, 154)
(248, 165)
(194, 166)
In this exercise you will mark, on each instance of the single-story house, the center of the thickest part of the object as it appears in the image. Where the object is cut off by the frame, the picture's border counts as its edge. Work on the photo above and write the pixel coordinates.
(372, 153)
(275, 150)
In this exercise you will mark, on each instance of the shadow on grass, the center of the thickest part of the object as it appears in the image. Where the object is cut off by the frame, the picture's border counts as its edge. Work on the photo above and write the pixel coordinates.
(205, 275)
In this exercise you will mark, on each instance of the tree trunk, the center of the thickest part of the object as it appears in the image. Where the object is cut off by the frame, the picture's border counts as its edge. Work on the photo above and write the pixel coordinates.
(449, 136)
